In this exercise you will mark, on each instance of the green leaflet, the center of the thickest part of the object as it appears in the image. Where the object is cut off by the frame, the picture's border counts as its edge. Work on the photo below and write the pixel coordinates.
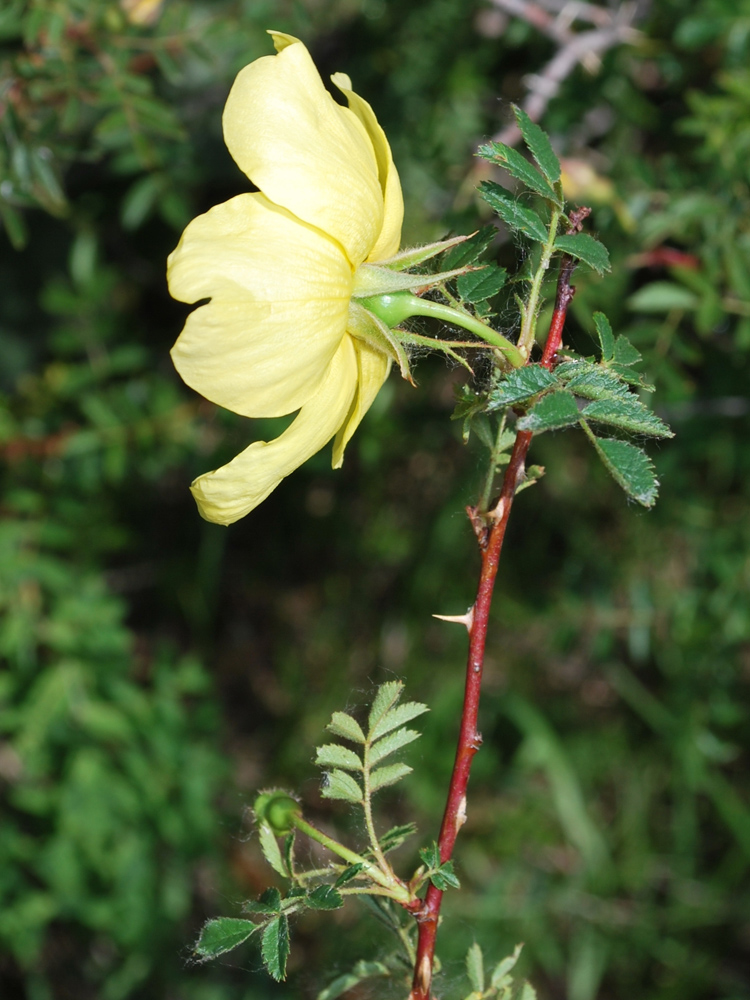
(625, 353)
(630, 467)
(397, 717)
(389, 744)
(556, 410)
(334, 755)
(269, 902)
(396, 836)
(361, 971)
(629, 414)
(520, 385)
(591, 381)
(388, 775)
(270, 847)
(344, 725)
(223, 934)
(539, 145)
(606, 337)
(469, 250)
(475, 968)
(520, 168)
(513, 214)
(325, 897)
(340, 785)
(275, 947)
(477, 286)
(586, 248)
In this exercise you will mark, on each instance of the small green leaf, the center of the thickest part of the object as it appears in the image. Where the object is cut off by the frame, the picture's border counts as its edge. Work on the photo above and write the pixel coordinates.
(606, 337)
(397, 716)
(362, 970)
(630, 467)
(629, 414)
(445, 877)
(625, 353)
(586, 248)
(430, 856)
(527, 992)
(500, 974)
(340, 785)
(388, 775)
(476, 286)
(270, 847)
(539, 145)
(275, 947)
(344, 725)
(385, 698)
(520, 385)
(289, 853)
(470, 250)
(334, 755)
(519, 167)
(325, 897)
(348, 874)
(662, 297)
(268, 902)
(391, 743)
(513, 214)
(396, 836)
(223, 934)
(475, 968)
(556, 410)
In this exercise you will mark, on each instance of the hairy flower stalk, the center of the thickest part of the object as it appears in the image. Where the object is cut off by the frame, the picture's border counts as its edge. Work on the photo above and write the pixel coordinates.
(297, 275)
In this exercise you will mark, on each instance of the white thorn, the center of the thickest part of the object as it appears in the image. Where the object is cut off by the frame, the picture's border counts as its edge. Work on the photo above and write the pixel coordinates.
(466, 619)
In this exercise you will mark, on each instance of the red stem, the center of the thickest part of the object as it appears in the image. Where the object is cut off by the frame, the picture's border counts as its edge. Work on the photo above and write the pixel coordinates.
(490, 531)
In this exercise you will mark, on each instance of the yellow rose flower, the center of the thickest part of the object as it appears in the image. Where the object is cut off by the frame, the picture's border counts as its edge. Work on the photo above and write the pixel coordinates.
(280, 268)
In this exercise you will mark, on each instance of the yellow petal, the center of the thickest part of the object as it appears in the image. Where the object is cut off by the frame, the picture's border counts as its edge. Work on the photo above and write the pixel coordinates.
(279, 294)
(303, 150)
(226, 495)
(372, 371)
(389, 238)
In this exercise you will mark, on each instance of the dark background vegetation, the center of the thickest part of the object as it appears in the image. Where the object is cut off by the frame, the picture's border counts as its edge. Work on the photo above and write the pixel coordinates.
(158, 670)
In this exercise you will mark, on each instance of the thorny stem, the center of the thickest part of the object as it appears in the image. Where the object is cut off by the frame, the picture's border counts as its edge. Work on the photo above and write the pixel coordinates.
(490, 531)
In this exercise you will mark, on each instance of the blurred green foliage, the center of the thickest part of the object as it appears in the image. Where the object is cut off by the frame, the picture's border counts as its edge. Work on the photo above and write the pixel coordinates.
(158, 670)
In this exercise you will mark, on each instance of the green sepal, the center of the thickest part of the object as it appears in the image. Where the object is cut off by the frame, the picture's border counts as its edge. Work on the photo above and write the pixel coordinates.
(418, 255)
(366, 326)
(374, 279)
(223, 934)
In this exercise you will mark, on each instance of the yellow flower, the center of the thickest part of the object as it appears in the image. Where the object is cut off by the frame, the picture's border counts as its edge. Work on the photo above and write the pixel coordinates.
(280, 267)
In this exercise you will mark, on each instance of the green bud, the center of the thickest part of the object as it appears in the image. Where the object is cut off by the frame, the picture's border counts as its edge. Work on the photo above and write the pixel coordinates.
(277, 809)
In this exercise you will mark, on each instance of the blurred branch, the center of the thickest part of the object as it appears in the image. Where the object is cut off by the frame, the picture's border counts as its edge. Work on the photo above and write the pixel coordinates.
(613, 27)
